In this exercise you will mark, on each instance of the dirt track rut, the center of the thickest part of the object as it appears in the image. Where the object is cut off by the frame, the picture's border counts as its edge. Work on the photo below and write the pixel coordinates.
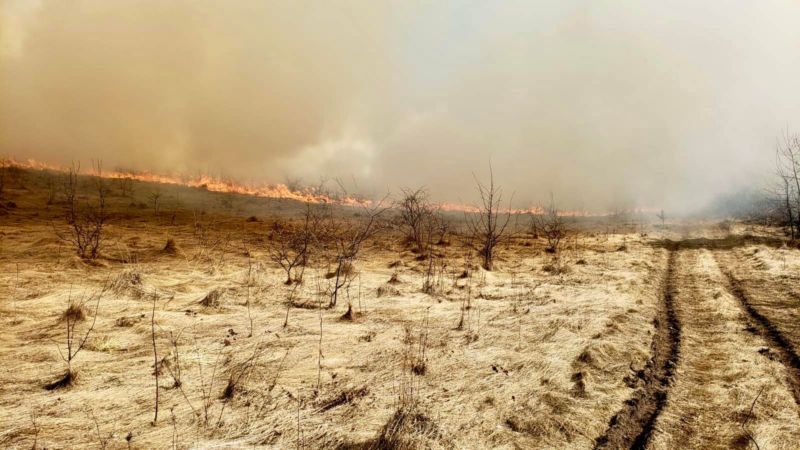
(633, 425)
(708, 365)
(776, 338)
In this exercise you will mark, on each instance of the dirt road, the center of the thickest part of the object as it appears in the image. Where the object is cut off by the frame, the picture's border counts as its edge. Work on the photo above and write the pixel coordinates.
(722, 373)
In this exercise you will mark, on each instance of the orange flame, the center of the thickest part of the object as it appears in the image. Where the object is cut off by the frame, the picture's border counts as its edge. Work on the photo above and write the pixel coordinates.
(282, 191)
(209, 183)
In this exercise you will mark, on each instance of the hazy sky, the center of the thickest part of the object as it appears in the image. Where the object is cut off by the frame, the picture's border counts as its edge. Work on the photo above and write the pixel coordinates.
(604, 103)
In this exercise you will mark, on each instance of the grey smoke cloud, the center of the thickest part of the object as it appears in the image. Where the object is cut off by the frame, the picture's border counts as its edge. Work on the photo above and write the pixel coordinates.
(606, 104)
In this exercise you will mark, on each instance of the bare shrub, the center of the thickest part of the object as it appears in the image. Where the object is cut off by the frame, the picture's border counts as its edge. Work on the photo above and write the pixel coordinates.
(787, 162)
(662, 217)
(212, 299)
(125, 185)
(86, 220)
(155, 200)
(294, 244)
(415, 211)
(348, 236)
(488, 225)
(74, 340)
(552, 226)
(240, 372)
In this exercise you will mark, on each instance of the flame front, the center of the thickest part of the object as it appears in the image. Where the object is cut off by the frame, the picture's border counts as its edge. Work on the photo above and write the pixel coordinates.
(209, 183)
(282, 191)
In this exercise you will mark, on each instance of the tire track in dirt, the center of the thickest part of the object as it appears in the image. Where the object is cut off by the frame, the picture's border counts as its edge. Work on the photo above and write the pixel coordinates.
(787, 354)
(632, 427)
(724, 368)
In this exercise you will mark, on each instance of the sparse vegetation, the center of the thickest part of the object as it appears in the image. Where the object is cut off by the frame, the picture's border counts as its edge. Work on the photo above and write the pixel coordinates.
(74, 338)
(552, 226)
(415, 218)
(488, 226)
(217, 352)
(787, 161)
(86, 220)
(293, 244)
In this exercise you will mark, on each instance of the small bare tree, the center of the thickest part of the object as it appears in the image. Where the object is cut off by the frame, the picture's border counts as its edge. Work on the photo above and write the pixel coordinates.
(85, 219)
(125, 184)
(787, 162)
(415, 210)
(488, 225)
(75, 341)
(348, 237)
(552, 225)
(294, 244)
(434, 229)
(662, 217)
(155, 200)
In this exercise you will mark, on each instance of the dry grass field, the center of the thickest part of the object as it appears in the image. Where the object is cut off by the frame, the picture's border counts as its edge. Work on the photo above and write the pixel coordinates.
(631, 336)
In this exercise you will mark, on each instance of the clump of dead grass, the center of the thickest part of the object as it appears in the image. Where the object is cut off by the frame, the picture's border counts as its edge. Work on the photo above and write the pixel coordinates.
(556, 268)
(75, 312)
(387, 290)
(407, 429)
(129, 281)
(128, 321)
(213, 298)
(170, 248)
(345, 397)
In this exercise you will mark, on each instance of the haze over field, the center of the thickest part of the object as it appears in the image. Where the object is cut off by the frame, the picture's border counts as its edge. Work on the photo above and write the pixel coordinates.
(270, 224)
(606, 104)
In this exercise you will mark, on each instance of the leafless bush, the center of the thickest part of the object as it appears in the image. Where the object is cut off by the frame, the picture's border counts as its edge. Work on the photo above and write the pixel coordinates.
(241, 371)
(415, 211)
(125, 185)
(103, 439)
(551, 224)
(662, 217)
(74, 340)
(294, 244)
(348, 237)
(787, 162)
(209, 237)
(206, 385)
(155, 200)
(434, 228)
(417, 358)
(86, 220)
(488, 225)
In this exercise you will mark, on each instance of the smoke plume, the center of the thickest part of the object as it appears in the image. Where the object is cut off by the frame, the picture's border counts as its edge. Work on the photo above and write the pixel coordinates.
(605, 104)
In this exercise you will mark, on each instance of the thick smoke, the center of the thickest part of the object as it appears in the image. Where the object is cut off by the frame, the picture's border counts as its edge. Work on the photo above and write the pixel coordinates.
(606, 104)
